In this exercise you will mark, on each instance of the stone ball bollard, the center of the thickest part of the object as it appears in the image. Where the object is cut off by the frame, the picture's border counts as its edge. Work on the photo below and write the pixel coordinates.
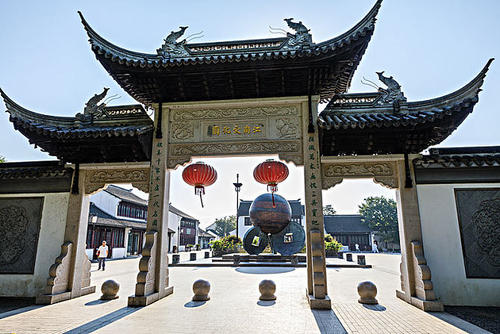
(109, 290)
(367, 292)
(267, 289)
(201, 288)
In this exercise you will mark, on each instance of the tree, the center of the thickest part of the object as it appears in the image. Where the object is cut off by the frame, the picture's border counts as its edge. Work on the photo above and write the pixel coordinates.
(328, 210)
(2, 159)
(225, 225)
(380, 214)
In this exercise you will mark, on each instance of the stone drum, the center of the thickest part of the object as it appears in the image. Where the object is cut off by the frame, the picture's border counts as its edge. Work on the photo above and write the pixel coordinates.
(201, 288)
(109, 290)
(367, 292)
(270, 219)
(267, 289)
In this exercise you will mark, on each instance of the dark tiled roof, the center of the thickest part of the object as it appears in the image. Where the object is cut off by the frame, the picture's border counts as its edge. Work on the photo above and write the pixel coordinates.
(105, 219)
(33, 170)
(335, 224)
(123, 133)
(125, 195)
(296, 205)
(460, 157)
(34, 177)
(380, 128)
(180, 213)
(213, 69)
(129, 196)
(202, 233)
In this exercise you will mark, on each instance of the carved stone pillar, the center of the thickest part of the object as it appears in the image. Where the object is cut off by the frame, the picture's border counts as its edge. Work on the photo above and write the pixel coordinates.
(317, 292)
(69, 276)
(152, 280)
(390, 171)
(415, 274)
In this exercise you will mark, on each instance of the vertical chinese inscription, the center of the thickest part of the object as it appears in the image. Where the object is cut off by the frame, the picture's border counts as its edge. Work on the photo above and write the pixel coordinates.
(156, 184)
(316, 266)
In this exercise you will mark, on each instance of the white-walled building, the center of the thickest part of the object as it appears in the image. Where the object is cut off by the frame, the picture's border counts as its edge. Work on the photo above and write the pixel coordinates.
(119, 216)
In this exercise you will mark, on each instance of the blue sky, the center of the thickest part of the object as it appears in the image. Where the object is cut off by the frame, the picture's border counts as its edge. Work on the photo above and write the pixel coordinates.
(430, 47)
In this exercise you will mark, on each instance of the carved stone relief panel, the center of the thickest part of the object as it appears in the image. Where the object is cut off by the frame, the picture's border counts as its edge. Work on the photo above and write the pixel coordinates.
(235, 130)
(479, 218)
(383, 173)
(181, 153)
(20, 219)
(234, 124)
(97, 179)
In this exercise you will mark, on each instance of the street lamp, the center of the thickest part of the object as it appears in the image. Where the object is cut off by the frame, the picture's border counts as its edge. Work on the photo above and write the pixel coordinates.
(237, 188)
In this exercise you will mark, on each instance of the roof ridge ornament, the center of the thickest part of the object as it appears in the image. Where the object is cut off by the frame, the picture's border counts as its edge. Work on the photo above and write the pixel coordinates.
(94, 110)
(172, 48)
(301, 38)
(391, 94)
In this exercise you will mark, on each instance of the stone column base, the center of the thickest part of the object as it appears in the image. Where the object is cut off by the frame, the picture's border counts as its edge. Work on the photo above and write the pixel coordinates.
(137, 301)
(59, 297)
(424, 305)
(319, 304)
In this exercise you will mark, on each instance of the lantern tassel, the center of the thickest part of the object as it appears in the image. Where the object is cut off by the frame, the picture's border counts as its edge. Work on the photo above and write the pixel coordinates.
(273, 187)
(200, 190)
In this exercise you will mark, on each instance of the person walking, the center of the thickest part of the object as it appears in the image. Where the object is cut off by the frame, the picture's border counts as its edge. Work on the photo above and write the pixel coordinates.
(102, 254)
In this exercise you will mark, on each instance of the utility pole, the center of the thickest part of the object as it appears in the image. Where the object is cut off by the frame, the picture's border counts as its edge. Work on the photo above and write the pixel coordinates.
(237, 188)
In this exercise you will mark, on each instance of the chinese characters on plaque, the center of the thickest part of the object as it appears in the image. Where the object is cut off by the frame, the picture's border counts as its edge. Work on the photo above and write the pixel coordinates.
(235, 130)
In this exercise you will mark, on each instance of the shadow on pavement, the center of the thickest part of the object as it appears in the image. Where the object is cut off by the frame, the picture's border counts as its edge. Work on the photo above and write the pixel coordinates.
(264, 270)
(96, 302)
(328, 322)
(377, 307)
(12, 312)
(103, 321)
(266, 302)
(194, 304)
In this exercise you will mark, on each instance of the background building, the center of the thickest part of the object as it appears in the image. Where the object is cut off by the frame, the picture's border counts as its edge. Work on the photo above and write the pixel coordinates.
(119, 216)
(349, 231)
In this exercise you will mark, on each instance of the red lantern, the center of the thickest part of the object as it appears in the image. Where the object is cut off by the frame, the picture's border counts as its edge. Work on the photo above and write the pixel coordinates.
(271, 172)
(199, 175)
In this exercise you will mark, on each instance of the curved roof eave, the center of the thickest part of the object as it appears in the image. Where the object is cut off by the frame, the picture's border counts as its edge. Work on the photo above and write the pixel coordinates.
(470, 90)
(365, 116)
(17, 111)
(366, 22)
(110, 50)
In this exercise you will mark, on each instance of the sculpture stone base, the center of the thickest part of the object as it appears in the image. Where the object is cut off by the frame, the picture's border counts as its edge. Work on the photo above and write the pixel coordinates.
(424, 305)
(319, 304)
(137, 301)
(59, 297)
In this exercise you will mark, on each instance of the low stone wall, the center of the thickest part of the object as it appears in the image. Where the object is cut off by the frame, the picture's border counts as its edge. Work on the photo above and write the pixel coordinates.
(50, 239)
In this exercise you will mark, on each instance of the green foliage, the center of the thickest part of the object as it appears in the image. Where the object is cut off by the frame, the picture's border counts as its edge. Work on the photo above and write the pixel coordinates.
(2, 159)
(189, 245)
(234, 239)
(328, 238)
(380, 214)
(226, 244)
(225, 225)
(333, 245)
(328, 210)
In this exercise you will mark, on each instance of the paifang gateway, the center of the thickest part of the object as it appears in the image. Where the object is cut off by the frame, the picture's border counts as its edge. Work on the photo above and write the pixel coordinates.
(380, 122)
(261, 97)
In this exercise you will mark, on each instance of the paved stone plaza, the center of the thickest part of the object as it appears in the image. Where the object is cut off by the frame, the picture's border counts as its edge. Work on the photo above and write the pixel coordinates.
(234, 306)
